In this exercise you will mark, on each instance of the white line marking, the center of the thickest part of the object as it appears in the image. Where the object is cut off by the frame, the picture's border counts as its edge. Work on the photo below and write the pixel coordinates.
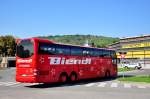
(8, 83)
(102, 84)
(141, 86)
(17, 85)
(11, 83)
(89, 85)
(127, 85)
(35, 84)
(114, 84)
(2, 83)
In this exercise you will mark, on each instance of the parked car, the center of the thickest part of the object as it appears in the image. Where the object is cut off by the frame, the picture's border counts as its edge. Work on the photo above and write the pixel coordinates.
(132, 65)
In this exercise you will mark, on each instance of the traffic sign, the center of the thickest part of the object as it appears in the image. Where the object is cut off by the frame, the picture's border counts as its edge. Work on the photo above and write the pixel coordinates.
(122, 55)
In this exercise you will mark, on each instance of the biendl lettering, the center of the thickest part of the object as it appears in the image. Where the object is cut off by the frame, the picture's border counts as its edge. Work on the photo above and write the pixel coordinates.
(59, 60)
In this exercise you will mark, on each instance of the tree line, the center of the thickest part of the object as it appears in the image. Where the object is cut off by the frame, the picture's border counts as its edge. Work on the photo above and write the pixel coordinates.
(97, 41)
(7, 45)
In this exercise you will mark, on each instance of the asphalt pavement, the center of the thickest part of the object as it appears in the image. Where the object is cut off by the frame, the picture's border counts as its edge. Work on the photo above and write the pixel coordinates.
(88, 89)
(135, 72)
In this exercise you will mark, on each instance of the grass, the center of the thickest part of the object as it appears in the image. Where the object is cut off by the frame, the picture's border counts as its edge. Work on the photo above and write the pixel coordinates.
(125, 69)
(140, 78)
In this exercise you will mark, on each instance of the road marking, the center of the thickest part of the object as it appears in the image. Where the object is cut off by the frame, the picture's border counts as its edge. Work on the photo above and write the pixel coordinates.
(24, 84)
(127, 85)
(89, 85)
(31, 84)
(17, 85)
(139, 86)
(11, 83)
(102, 84)
(114, 85)
(2, 83)
(8, 83)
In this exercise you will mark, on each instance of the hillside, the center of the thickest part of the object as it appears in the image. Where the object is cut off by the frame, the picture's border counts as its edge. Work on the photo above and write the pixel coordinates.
(99, 41)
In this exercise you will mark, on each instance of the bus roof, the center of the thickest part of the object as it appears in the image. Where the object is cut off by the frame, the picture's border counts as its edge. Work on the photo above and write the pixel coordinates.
(53, 42)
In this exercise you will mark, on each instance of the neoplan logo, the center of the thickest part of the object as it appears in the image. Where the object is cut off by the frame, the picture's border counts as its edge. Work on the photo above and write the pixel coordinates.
(59, 60)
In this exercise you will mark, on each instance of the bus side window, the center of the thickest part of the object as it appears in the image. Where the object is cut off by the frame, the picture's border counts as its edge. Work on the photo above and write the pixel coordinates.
(87, 52)
(76, 51)
(106, 53)
(113, 54)
(101, 53)
(62, 50)
(45, 48)
(94, 53)
(114, 57)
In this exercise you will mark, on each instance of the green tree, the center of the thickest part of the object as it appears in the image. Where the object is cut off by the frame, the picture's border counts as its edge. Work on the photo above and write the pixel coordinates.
(98, 41)
(7, 45)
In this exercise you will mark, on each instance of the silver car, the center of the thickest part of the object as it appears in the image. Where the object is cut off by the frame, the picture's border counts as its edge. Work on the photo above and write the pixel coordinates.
(132, 65)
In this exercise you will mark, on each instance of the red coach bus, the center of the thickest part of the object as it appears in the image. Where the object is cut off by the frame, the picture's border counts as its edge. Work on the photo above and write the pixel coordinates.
(44, 61)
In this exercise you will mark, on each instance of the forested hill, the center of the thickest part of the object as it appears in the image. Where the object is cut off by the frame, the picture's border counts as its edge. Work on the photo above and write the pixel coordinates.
(99, 41)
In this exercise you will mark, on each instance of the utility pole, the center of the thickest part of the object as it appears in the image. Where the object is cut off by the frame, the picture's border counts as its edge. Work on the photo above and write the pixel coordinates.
(122, 57)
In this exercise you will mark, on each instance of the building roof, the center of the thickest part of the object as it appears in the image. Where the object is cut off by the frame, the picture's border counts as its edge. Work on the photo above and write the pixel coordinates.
(135, 37)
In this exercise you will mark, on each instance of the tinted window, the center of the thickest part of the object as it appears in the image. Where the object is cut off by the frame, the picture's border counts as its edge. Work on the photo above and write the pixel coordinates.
(87, 52)
(101, 53)
(45, 48)
(25, 49)
(76, 51)
(63, 50)
(53, 49)
(91, 52)
(95, 52)
(113, 54)
(106, 53)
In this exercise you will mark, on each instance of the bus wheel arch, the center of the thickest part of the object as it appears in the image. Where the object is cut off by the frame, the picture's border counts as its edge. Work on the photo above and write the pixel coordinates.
(63, 77)
(73, 76)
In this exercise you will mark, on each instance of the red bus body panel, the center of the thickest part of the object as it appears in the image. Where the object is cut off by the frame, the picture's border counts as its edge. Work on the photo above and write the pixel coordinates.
(41, 68)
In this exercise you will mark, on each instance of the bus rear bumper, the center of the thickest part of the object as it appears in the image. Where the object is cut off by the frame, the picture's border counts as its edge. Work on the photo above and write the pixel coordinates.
(34, 79)
(26, 79)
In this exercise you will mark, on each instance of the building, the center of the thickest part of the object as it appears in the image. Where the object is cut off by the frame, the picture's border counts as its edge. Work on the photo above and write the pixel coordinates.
(6, 62)
(137, 49)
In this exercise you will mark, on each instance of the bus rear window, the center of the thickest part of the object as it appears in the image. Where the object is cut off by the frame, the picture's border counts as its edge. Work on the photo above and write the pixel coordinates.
(25, 49)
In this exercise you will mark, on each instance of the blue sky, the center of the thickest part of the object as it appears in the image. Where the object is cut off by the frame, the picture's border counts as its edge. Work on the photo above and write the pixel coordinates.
(113, 18)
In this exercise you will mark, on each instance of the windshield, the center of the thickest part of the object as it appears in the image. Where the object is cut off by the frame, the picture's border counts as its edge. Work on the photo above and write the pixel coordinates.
(25, 49)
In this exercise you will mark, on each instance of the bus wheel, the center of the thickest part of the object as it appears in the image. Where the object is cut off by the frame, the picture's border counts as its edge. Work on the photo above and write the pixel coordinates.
(63, 78)
(136, 67)
(73, 77)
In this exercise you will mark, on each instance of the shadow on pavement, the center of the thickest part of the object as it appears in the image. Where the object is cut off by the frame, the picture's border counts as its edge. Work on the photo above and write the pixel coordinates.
(80, 82)
(120, 76)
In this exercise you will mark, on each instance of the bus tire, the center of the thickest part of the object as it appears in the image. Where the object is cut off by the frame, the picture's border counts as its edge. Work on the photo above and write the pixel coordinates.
(136, 67)
(63, 78)
(73, 77)
(107, 74)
